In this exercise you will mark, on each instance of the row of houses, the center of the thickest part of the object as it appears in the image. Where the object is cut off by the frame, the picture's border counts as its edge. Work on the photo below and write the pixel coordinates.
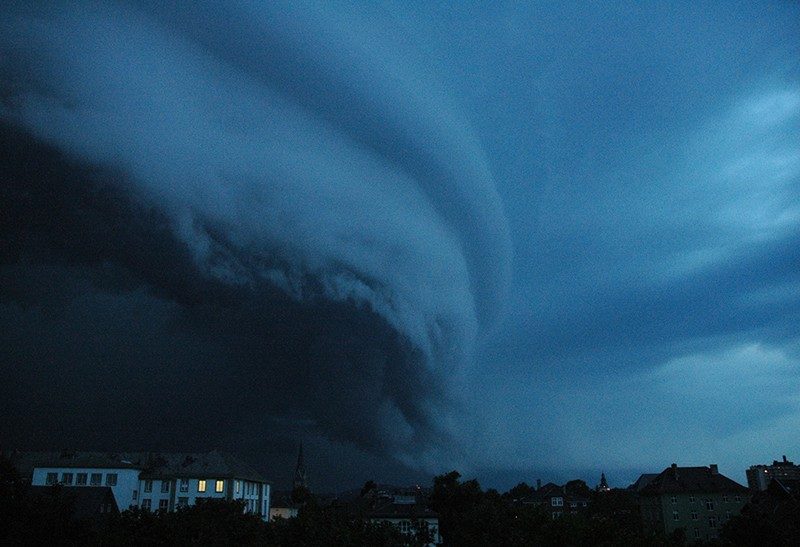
(696, 500)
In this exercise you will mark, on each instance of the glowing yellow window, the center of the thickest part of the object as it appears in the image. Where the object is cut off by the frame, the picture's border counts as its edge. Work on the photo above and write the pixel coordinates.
(218, 487)
(201, 485)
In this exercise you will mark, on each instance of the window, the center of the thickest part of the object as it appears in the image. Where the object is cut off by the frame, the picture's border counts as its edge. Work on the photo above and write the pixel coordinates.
(556, 514)
(709, 504)
(673, 500)
(148, 486)
(557, 502)
(183, 501)
(219, 486)
(738, 498)
(712, 522)
(111, 479)
(80, 479)
(184, 485)
(697, 533)
(96, 479)
(694, 515)
(146, 503)
(201, 485)
(725, 499)
(675, 516)
(66, 478)
(727, 515)
(52, 478)
(135, 494)
(163, 505)
(238, 486)
(164, 487)
(691, 499)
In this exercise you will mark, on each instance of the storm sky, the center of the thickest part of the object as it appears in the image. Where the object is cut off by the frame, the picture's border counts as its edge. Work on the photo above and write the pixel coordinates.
(515, 239)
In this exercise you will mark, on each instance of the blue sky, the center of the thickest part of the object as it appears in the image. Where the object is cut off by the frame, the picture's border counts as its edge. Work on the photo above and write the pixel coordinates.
(508, 237)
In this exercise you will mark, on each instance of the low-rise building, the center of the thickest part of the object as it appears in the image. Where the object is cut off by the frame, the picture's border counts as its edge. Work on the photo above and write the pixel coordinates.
(572, 498)
(698, 500)
(163, 481)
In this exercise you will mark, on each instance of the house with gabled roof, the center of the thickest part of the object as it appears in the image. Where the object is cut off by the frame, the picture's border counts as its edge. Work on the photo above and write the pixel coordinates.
(698, 500)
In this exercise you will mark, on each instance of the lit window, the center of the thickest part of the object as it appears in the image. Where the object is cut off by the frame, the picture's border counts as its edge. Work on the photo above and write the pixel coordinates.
(52, 478)
(80, 479)
(201, 485)
(66, 478)
(163, 505)
(219, 486)
(164, 487)
(184, 485)
(148, 486)
(111, 479)
(96, 479)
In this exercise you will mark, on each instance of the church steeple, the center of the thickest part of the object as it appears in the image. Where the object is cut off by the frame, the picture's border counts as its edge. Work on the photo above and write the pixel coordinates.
(603, 486)
(300, 477)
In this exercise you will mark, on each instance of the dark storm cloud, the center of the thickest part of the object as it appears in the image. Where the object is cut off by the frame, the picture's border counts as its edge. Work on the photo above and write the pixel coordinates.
(291, 232)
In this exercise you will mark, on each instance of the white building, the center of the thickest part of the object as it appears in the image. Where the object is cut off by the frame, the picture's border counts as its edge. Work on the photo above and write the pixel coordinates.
(163, 482)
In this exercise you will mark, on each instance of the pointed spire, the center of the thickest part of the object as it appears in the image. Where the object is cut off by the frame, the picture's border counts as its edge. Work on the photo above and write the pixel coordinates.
(603, 486)
(300, 477)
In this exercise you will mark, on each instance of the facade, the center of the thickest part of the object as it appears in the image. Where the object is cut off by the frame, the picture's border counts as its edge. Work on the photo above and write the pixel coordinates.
(698, 500)
(164, 482)
(759, 476)
(571, 498)
(406, 510)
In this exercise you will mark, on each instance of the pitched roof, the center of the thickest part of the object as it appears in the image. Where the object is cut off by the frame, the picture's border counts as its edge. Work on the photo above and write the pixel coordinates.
(214, 464)
(643, 480)
(676, 480)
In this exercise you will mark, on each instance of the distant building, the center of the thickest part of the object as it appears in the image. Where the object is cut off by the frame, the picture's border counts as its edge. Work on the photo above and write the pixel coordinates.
(150, 481)
(571, 498)
(283, 506)
(603, 485)
(300, 474)
(698, 500)
(759, 476)
(406, 511)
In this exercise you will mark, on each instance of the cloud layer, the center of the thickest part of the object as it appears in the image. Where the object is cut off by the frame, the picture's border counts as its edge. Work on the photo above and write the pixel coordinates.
(270, 178)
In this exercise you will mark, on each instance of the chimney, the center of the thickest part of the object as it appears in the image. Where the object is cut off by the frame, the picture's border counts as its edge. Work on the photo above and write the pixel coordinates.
(714, 469)
(784, 458)
(674, 468)
(538, 484)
